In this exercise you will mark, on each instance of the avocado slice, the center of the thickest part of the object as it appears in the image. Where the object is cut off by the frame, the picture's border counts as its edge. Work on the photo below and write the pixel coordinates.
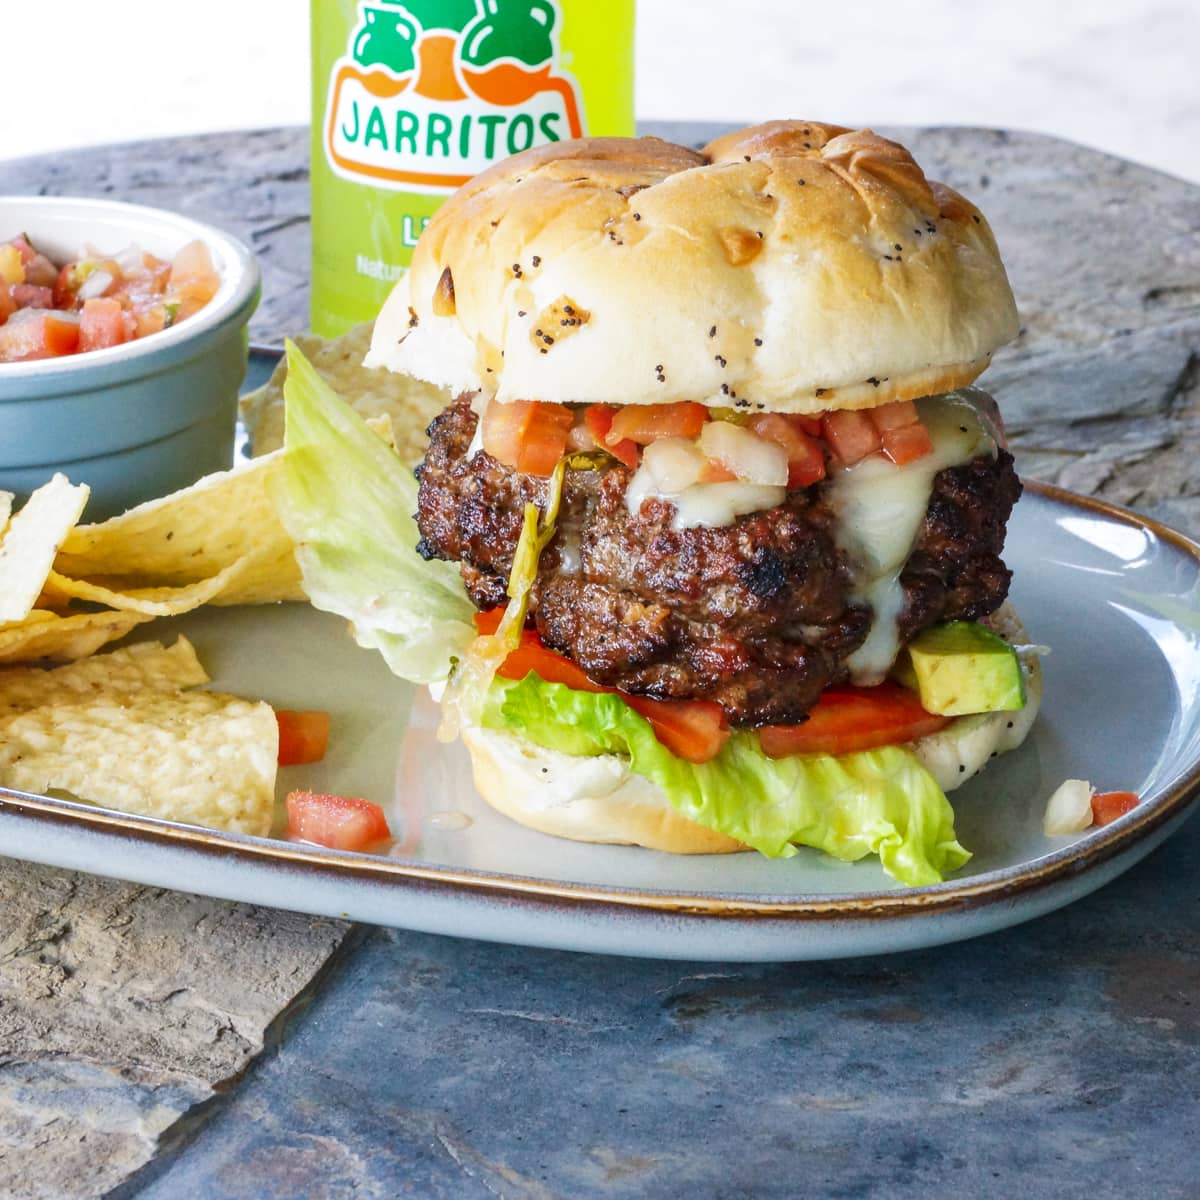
(961, 667)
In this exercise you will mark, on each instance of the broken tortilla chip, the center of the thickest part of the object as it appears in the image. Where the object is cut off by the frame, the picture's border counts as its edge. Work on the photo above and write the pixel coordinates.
(143, 667)
(190, 536)
(47, 637)
(197, 757)
(370, 391)
(153, 601)
(31, 542)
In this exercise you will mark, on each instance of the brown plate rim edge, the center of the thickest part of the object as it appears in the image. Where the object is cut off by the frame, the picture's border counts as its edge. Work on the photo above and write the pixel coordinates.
(937, 898)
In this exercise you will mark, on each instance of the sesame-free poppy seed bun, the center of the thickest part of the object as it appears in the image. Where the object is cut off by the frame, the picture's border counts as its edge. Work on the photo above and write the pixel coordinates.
(793, 266)
(601, 800)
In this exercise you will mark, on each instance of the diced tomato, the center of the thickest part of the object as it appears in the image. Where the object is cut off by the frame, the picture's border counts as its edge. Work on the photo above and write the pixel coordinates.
(8, 305)
(65, 287)
(101, 324)
(31, 295)
(529, 436)
(849, 718)
(907, 443)
(646, 423)
(31, 334)
(694, 730)
(303, 736)
(850, 434)
(339, 822)
(893, 416)
(1108, 806)
(599, 419)
(806, 458)
(23, 248)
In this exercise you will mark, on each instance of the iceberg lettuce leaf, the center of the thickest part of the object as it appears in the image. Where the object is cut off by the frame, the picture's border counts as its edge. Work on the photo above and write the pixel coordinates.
(871, 802)
(347, 500)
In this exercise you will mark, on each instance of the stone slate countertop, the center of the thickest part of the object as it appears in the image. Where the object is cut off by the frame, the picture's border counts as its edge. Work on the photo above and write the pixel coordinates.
(158, 1045)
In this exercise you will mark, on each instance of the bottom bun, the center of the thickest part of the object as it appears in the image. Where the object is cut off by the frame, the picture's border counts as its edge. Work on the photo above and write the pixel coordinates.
(599, 799)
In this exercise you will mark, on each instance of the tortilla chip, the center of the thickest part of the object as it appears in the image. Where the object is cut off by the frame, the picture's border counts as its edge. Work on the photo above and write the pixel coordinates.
(370, 391)
(196, 757)
(144, 667)
(6, 503)
(154, 602)
(190, 536)
(47, 637)
(31, 541)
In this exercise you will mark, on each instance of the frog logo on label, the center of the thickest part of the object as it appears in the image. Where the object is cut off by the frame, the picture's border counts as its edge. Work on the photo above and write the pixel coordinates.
(430, 92)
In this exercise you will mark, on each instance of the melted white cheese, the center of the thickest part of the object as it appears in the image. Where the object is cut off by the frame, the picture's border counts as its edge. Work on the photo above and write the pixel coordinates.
(880, 509)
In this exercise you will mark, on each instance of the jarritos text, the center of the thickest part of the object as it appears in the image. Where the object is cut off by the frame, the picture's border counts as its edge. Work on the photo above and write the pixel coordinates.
(429, 94)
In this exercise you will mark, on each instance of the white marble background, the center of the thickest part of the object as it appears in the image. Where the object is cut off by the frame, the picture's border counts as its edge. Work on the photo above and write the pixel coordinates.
(1123, 75)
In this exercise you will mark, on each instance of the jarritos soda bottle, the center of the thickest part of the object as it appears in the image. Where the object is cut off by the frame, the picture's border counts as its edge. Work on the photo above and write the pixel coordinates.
(411, 99)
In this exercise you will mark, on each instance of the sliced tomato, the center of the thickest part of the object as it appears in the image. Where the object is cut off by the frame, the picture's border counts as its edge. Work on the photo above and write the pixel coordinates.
(1108, 806)
(101, 324)
(599, 419)
(527, 435)
(339, 822)
(851, 435)
(646, 423)
(303, 736)
(806, 458)
(694, 730)
(849, 718)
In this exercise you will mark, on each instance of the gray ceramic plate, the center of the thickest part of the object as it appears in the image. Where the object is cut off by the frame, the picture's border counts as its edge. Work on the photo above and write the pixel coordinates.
(1115, 596)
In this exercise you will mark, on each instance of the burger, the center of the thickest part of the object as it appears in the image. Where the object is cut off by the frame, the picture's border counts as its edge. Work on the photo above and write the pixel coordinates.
(726, 507)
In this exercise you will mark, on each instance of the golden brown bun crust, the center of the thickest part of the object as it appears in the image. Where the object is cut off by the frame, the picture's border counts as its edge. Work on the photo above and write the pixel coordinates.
(600, 800)
(793, 265)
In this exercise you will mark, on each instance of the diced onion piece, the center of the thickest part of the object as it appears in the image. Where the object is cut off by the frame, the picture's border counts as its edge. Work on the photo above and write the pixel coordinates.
(131, 260)
(743, 452)
(1069, 810)
(95, 285)
(673, 464)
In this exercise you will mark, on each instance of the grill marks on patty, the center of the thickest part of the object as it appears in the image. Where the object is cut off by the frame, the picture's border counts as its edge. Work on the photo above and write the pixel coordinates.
(754, 615)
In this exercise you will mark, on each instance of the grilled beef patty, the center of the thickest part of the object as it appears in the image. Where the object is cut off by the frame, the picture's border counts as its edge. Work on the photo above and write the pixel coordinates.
(755, 615)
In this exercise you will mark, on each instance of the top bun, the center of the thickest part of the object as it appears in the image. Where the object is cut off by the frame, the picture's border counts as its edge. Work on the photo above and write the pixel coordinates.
(792, 266)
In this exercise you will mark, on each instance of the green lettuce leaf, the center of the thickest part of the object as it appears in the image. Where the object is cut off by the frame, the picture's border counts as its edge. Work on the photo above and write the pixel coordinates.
(870, 802)
(347, 501)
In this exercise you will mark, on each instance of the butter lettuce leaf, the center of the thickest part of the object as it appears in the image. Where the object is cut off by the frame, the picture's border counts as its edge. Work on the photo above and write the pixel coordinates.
(347, 500)
(871, 802)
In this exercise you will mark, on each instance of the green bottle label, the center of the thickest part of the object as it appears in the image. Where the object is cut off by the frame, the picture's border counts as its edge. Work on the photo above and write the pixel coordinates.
(410, 100)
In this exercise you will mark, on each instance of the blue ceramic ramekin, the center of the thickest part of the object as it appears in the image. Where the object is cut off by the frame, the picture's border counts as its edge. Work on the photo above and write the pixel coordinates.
(138, 420)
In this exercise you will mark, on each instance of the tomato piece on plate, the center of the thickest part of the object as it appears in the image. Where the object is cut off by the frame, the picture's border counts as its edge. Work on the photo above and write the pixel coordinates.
(849, 718)
(526, 435)
(850, 435)
(692, 729)
(599, 419)
(646, 423)
(806, 458)
(303, 736)
(339, 822)
(101, 324)
(1108, 806)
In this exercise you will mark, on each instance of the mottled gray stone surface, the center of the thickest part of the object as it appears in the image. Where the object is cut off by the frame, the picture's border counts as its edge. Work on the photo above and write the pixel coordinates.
(123, 1007)
(1060, 1058)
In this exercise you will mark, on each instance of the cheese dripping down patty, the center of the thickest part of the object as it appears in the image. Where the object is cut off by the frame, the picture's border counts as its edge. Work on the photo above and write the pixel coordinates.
(880, 508)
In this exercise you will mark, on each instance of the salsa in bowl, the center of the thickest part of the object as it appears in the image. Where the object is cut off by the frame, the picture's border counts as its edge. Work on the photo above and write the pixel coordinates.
(133, 417)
